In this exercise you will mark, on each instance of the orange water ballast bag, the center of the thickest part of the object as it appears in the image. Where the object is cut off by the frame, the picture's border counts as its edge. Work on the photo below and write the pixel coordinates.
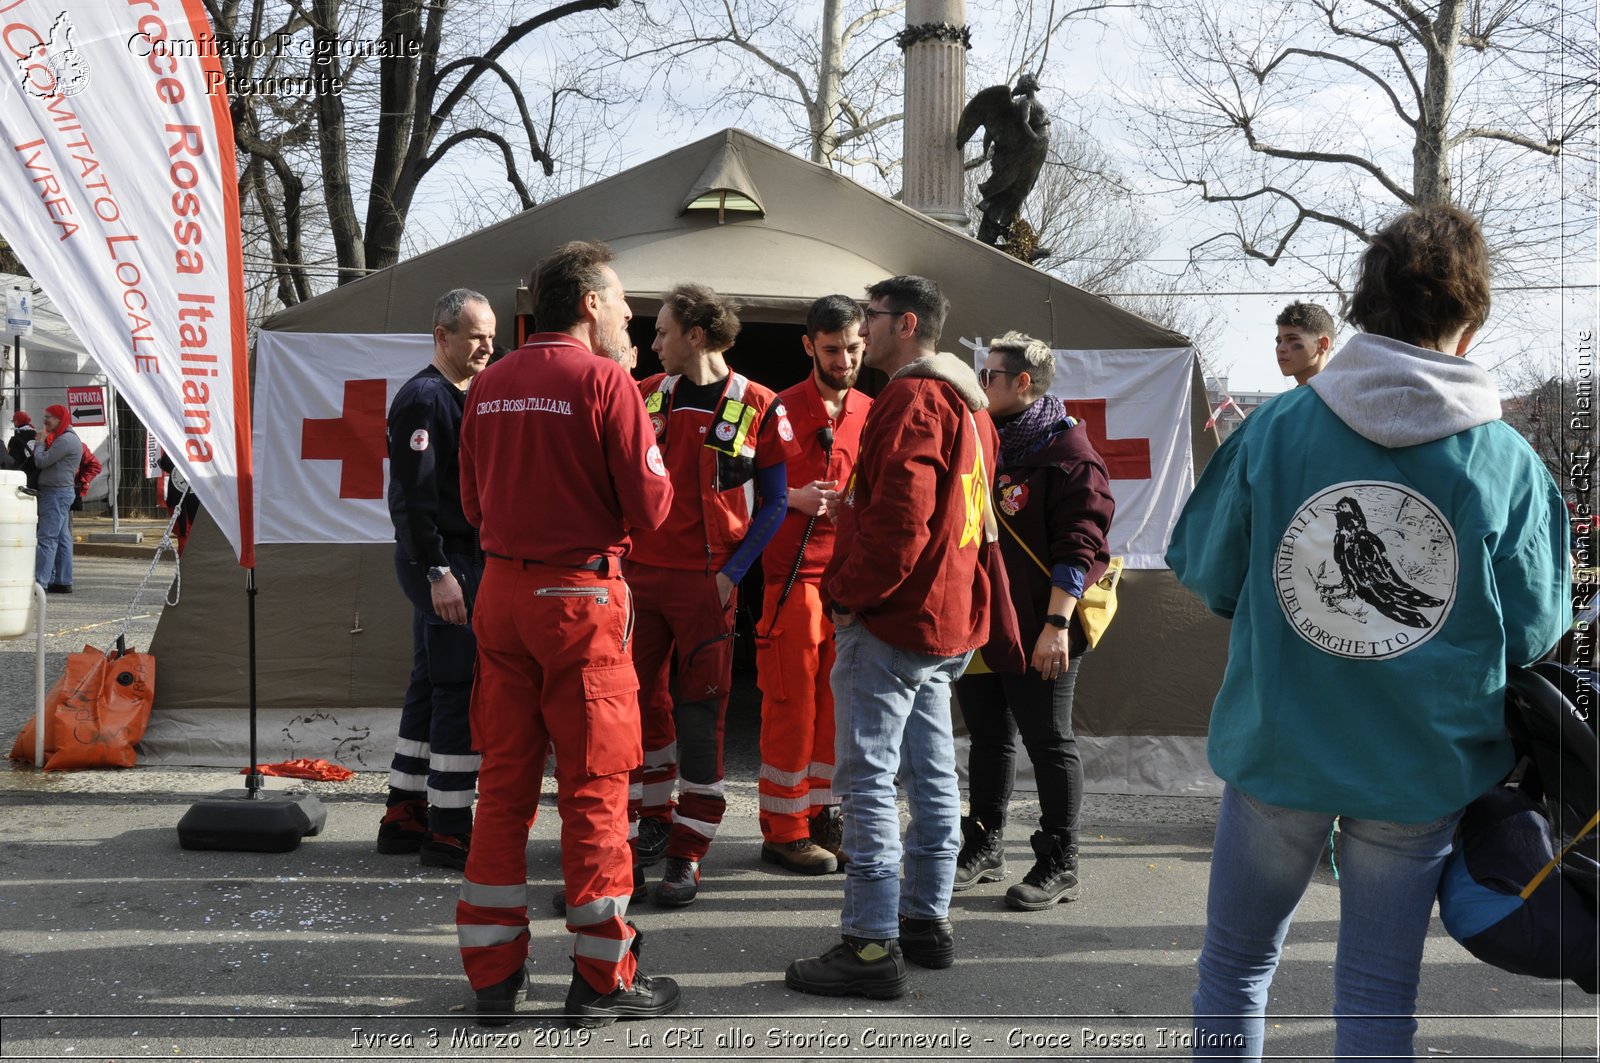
(95, 713)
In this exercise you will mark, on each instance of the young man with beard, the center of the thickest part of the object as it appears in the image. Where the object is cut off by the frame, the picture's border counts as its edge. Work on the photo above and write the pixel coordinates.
(801, 828)
(910, 603)
(725, 440)
(558, 467)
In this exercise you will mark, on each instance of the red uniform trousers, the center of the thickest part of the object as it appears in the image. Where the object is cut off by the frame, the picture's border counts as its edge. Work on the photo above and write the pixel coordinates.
(793, 662)
(553, 668)
(682, 627)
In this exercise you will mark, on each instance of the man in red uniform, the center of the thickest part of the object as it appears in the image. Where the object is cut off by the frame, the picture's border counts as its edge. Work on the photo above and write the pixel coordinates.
(558, 465)
(725, 441)
(801, 829)
(910, 603)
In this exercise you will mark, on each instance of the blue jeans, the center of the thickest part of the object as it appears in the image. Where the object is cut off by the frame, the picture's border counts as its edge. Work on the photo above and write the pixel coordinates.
(892, 717)
(52, 560)
(1262, 862)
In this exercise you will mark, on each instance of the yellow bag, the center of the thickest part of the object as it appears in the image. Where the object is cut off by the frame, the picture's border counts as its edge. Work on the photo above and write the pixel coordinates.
(1099, 602)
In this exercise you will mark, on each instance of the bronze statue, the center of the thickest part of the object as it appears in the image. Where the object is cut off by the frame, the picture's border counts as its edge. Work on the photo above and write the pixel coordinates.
(1016, 136)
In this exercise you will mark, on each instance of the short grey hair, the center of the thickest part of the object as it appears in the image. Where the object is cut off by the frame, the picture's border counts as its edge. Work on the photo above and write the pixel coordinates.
(447, 311)
(1024, 354)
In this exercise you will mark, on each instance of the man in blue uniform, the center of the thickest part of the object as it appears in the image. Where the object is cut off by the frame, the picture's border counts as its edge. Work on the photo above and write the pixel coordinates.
(435, 770)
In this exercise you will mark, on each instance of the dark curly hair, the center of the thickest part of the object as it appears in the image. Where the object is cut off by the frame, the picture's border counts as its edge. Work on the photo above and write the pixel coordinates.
(1424, 277)
(695, 304)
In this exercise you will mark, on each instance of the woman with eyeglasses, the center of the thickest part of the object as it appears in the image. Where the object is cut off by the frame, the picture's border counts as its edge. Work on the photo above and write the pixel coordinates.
(1053, 501)
(1385, 546)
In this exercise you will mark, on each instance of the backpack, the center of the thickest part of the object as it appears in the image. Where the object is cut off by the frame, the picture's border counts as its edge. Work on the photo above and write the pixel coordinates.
(1519, 887)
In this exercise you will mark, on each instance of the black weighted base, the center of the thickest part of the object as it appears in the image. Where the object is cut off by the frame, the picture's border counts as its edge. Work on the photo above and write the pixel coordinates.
(239, 821)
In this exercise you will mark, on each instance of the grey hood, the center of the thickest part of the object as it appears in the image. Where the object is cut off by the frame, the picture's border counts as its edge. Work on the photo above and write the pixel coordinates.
(953, 371)
(1398, 395)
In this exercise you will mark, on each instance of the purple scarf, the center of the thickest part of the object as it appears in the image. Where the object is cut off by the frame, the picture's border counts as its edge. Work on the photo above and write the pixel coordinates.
(1032, 429)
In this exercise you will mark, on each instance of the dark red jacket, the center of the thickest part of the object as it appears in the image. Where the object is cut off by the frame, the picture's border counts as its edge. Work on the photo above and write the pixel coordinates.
(906, 557)
(1058, 500)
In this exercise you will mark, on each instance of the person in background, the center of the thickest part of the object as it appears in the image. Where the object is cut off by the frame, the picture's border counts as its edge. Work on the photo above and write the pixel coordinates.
(1305, 340)
(1385, 546)
(20, 446)
(801, 829)
(88, 468)
(57, 456)
(179, 494)
(1053, 500)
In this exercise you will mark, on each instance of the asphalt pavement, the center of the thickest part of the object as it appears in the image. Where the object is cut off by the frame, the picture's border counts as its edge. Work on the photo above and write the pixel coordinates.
(116, 943)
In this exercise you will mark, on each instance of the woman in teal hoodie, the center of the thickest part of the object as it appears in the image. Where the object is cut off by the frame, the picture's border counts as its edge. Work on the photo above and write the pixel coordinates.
(1385, 546)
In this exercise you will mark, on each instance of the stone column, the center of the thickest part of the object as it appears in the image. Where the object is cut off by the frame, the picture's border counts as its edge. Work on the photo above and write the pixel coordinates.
(935, 40)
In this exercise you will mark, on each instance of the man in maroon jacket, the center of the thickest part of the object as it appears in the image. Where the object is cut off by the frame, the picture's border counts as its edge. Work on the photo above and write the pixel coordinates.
(558, 463)
(910, 603)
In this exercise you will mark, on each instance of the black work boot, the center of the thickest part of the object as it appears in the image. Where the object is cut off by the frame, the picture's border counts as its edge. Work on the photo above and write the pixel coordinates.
(646, 998)
(496, 1004)
(651, 845)
(856, 967)
(980, 859)
(928, 942)
(1053, 877)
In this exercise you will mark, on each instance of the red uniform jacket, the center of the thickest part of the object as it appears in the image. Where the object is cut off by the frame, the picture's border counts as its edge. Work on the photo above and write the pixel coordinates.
(715, 489)
(558, 461)
(807, 415)
(906, 559)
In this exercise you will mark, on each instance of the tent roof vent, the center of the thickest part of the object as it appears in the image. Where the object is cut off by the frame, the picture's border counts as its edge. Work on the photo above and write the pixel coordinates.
(724, 186)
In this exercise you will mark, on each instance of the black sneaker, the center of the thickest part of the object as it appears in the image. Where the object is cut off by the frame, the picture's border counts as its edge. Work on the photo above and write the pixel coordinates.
(1053, 877)
(651, 845)
(403, 828)
(497, 1003)
(680, 884)
(928, 942)
(59, 588)
(855, 967)
(981, 859)
(446, 850)
(640, 892)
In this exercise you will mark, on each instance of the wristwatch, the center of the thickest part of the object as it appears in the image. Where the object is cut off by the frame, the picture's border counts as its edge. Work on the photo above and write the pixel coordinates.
(1055, 620)
(437, 573)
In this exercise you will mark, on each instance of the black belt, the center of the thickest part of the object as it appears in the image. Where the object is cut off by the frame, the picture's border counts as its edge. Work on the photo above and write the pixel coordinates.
(594, 564)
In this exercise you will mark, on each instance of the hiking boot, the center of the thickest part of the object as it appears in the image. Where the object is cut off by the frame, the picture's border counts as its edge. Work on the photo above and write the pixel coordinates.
(856, 967)
(680, 884)
(981, 858)
(640, 892)
(928, 942)
(496, 1003)
(651, 844)
(404, 827)
(446, 850)
(827, 830)
(646, 998)
(802, 856)
(1053, 877)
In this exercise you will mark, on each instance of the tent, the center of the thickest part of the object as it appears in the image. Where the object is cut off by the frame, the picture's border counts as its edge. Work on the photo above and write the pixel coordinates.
(775, 231)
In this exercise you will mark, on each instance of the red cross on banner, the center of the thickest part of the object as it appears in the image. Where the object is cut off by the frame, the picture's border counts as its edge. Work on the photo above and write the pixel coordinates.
(357, 438)
(1126, 459)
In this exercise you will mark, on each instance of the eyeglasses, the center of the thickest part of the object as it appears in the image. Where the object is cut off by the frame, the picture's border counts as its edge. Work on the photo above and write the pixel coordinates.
(870, 313)
(986, 376)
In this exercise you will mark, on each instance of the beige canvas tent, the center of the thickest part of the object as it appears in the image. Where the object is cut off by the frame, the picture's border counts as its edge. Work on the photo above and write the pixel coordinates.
(750, 220)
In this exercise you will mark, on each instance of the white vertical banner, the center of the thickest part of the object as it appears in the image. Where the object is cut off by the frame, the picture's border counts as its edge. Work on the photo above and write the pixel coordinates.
(118, 190)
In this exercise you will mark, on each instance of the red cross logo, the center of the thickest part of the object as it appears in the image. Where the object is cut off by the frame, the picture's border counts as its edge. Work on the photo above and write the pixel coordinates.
(356, 438)
(1126, 459)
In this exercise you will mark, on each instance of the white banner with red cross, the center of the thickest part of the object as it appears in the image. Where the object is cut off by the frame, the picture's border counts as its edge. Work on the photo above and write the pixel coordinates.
(322, 454)
(1135, 406)
(118, 189)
